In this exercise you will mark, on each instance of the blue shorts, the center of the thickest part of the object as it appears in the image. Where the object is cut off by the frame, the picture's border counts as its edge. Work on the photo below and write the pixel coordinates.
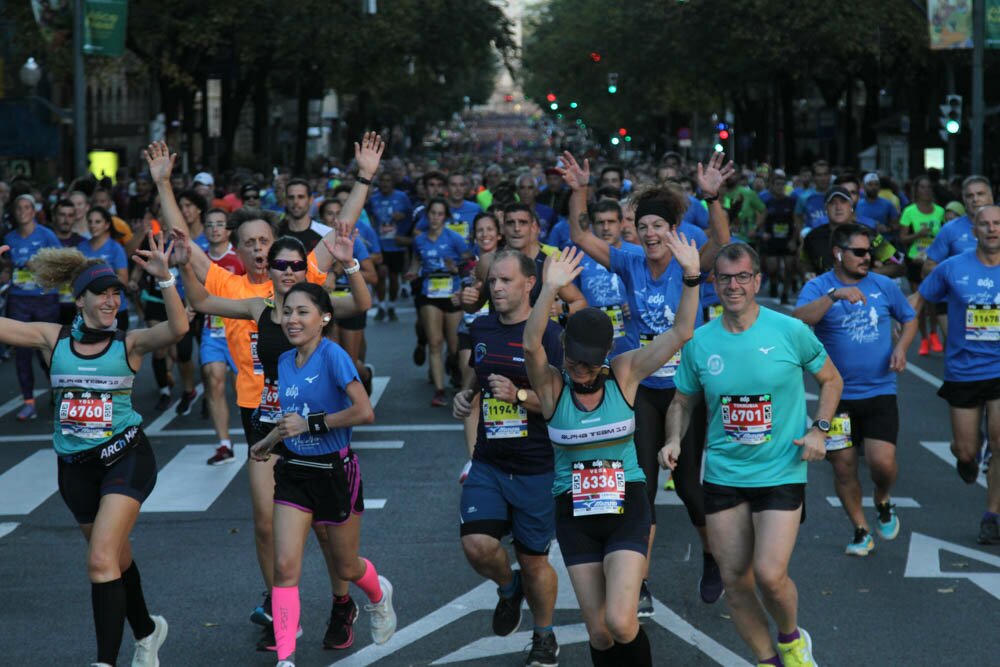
(214, 349)
(496, 503)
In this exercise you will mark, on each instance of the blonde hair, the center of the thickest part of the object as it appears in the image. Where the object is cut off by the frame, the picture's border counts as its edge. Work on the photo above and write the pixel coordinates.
(55, 267)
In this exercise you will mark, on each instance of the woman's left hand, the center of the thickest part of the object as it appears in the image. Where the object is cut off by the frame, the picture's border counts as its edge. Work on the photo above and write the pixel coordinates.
(685, 251)
(292, 424)
(712, 177)
(343, 248)
(156, 261)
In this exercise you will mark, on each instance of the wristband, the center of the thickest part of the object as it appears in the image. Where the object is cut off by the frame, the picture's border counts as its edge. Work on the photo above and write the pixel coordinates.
(692, 281)
(164, 284)
(362, 180)
(317, 423)
(709, 200)
(351, 270)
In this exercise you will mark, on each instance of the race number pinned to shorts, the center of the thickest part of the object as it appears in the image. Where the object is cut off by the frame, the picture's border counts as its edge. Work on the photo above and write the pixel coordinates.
(25, 279)
(667, 370)
(86, 415)
(439, 286)
(216, 326)
(598, 487)
(258, 368)
(617, 317)
(270, 407)
(780, 230)
(982, 322)
(839, 436)
(747, 419)
(502, 419)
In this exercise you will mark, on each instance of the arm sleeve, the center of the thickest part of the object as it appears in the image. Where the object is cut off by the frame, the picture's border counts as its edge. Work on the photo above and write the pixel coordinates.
(342, 367)
(938, 250)
(934, 288)
(812, 354)
(313, 274)
(619, 261)
(686, 379)
(810, 292)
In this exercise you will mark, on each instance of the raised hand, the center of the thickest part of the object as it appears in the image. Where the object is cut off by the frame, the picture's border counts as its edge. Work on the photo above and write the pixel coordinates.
(155, 261)
(4, 249)
(685, 251)
(561, 270)
(182, 251)
(160, 161)
(343, 247)
(368, 154)
(711, 178)
(576, 177)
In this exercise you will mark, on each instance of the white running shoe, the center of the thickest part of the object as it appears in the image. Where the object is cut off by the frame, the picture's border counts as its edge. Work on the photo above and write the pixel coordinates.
(383, 617)
(147, 648)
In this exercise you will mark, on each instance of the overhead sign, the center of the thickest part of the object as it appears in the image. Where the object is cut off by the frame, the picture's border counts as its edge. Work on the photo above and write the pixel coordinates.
(104, 23)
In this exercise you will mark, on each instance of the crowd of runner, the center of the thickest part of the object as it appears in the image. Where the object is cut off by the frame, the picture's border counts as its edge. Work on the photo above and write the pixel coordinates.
(588, 328)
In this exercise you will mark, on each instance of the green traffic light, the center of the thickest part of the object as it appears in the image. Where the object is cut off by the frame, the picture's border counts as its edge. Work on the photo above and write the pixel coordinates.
(612, 89)
(573, 105)
(615, 141)
(554, 106)
(628, 137)
(952, 126)
(719, 148)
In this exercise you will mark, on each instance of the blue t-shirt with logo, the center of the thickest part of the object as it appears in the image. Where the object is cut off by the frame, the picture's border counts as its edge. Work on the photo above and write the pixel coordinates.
(382, 208)
(559, 235)
(113, 253)
(858, 336)
(812, 207)
(972, 290)
(319, 386)
(753, 387)
(605, 290)
(434, 268)
(881, 210)
(954, 238)
(22, 249)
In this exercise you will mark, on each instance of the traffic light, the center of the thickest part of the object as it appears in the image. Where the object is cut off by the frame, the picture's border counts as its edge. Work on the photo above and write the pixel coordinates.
(554, 106)
(595, 56)
(951, 115)
(622, 131)
(612, 82)
(551, 97)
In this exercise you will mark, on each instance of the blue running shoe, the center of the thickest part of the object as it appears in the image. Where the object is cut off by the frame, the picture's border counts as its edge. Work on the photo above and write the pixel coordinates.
(262, 614)
(888, 522)
(862, 544)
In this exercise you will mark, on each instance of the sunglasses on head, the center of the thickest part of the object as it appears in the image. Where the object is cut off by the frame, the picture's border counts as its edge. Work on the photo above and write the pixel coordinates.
(285, 264)
(859, 252)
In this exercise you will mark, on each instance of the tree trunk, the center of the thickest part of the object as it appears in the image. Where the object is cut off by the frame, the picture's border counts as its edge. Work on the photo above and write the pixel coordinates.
(301, 128)
(261, 119)
(790, 152)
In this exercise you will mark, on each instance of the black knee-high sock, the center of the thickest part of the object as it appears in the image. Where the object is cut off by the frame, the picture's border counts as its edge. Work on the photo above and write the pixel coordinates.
(160, 372)
(606, 658)
(135, 604)
(637, 652)
(108, 601)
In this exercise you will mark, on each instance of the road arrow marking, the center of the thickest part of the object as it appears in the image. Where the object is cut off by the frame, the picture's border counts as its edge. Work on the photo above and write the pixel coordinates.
(924, 562)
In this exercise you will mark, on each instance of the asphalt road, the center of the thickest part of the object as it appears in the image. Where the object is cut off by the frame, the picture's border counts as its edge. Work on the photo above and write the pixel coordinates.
(930, 597)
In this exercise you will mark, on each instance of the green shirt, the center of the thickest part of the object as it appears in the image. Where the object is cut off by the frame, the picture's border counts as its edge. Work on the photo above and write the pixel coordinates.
(752, 384)
(916, 220)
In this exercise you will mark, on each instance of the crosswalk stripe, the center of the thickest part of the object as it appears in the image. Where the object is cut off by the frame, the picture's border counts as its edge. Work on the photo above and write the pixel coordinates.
(377, 444)
(7, 528)
(378, 388)
(942, 450)
(901, 502)
(16, 402)
(28, 484)
(374, 503)
(187, 484)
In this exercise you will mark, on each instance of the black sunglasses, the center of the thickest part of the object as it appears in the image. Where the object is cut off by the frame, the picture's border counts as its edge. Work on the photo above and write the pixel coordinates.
(858, 252)
(285, 264)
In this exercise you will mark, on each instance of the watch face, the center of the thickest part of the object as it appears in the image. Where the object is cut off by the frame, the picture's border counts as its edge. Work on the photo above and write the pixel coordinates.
(522, 394)
(823, 425)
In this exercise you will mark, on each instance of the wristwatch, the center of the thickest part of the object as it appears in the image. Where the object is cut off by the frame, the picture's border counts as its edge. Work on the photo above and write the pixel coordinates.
(692, 281)
(830, 292)
(822, 424)
(521, 397)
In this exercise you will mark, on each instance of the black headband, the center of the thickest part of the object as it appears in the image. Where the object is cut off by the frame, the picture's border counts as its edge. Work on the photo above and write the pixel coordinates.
(658, 207)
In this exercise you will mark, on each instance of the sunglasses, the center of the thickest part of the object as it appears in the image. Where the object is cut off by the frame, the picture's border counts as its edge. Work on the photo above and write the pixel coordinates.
(859, 252)
(285, 264)
(250, 196)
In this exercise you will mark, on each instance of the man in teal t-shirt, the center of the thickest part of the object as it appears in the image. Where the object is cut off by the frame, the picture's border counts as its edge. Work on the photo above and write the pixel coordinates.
(747, 365)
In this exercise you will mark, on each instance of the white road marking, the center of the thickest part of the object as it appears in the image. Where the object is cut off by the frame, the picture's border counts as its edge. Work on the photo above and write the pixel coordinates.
(7, 528)
(376, 444)
(811, 396)
(188, 484)
(374, 503)
(170, 414)
(488, 647)
(16, 402)
(901, 502)
(378, 388)
(924, 561)
(924, 375)
(942, 450)
(29, 484)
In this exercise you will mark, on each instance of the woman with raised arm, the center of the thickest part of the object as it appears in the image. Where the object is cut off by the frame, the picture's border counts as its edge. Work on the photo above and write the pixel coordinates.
(317, 480)
(106, 464)
(602, 516)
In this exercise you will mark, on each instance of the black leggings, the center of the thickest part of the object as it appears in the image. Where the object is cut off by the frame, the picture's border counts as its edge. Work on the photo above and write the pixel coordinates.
(650, 434)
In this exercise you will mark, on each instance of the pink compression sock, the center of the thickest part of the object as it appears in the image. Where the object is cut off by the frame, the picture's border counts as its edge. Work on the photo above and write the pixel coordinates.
(369, 582)
(285, 610)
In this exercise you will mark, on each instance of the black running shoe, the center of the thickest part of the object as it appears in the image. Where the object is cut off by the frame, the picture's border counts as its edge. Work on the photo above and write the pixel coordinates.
(645, 601)
(507, 615)
(710, 585)
(184, 406)
(267, 642)
(544, 651)
(968, 471)
(989, 531)
(419, 354)
(162, 402)
(340, 629)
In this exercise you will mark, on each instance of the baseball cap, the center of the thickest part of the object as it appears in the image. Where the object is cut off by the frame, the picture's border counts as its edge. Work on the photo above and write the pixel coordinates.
(955, 207)
(588, 336)
(204, 178)
(96, 278)
(838, 191)
(871, 177)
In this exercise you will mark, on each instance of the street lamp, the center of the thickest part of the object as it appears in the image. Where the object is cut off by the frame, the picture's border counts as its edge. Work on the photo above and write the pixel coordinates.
(30, 73)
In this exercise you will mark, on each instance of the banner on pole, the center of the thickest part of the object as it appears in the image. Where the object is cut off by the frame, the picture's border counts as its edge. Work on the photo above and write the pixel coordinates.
(104, 23)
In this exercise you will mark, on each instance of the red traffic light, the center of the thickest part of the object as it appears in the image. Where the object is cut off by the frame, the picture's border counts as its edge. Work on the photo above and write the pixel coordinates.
(595, 56)
(622, 131)
(551, 97)
(723, 134)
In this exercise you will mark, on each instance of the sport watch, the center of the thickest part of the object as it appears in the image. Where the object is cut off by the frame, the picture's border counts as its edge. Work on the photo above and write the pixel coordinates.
(822, 425)
(522, 396)
(830, 292)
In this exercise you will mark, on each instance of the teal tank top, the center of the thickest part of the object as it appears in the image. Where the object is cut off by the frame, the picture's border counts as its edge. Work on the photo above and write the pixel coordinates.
(604, 433)
(93, 394)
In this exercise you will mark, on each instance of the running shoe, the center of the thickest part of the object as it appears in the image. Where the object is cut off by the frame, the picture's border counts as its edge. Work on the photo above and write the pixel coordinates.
(340, 628)
(669, 484)
(862, 544)
(163, 402)
(710, 584)
(936, 345)
(507, 615)
(262, 614)
(419, 354)
(968, 470)
(986, 455)
(645, 601)
(204, 408)
(989, 531)
(464, 475)
(544, 651)
(146, 649)
(392, 315)
(371, 376)
(925, 348)
(797, 653)
(888, 522)
(382, 615)
(27, 412)
(380, 314)
(184, 405)
(222, 455)
(440, 400)
(267, 641)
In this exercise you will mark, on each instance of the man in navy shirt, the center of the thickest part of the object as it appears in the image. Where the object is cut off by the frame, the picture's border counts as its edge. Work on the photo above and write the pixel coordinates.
(851, 309)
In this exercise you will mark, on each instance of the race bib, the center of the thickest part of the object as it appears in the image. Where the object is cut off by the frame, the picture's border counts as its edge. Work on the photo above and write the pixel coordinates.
(86, 415)
(839, 436)
(982, 322)
(502, 419)
(216, 326)
(387, 231)
(340, 292)
(270, 407)
(66, 294)
(25, 279)
(714, 312)
(747, 419)
(780, 230)
(472, 317)
(669, 369)
(459, 227)
(617, 316)
(598, 487)
(258, 368)
(438, 286)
